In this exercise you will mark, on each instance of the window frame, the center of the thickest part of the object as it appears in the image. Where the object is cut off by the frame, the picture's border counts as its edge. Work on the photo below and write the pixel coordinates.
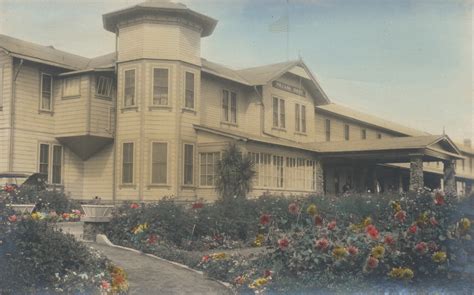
(78, 94)
(347, 132)
(40, 163)
(207, 153)
(363, 134)
(192, 184)
(50, 164)
(124, 104)
(327, 129)
(186, 90)
(297, 117)
(123, 162)
(152, 163)
(226, 114)
(168, 100)
(61, 166)
(280, 112)
(50, 109)
(110, 88)
(379, 135)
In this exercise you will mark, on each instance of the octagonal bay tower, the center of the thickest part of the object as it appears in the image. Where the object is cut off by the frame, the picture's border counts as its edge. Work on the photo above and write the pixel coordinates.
(158, 89)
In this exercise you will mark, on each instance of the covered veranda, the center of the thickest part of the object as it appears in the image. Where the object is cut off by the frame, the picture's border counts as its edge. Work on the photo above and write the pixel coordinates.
(390, 164)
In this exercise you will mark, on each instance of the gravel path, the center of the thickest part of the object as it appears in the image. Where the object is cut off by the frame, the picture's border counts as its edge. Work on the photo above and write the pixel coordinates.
(147, 275)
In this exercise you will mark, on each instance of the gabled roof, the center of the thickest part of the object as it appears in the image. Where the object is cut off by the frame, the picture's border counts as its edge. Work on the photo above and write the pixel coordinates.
(364, 118)
(222, 71)
(162, 7)
(52, 56)
(263, 74)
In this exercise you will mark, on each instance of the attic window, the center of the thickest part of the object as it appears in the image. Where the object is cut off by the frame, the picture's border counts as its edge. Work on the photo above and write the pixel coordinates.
(104, 86)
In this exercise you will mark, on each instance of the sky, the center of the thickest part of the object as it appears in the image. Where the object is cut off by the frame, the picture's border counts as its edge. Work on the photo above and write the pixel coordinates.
(408, 61)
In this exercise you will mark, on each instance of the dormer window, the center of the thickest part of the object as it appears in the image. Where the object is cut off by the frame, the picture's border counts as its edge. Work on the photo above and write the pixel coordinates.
(104, 86)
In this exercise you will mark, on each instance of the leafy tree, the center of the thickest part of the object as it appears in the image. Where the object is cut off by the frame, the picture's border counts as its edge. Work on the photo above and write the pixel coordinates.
(235, 173)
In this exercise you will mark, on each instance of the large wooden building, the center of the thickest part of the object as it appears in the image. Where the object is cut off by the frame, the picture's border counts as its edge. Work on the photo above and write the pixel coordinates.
(150, 120)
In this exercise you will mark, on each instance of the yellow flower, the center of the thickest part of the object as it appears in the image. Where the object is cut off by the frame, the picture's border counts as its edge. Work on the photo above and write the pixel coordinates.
(312, 210)
(465, 223)
(423, 218)
(396, 206)
(339, 252)
(218, 256)
(140, 228)
(258, 283)
(259, 239)
(439, 257)
(367, 221)
(378, 251)
(401, 273)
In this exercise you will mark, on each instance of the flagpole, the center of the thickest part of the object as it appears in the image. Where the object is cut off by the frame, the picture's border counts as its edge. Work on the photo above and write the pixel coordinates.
(288, 30)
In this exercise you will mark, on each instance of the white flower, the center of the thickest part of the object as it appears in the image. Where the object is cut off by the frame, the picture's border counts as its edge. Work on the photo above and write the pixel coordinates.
(84, 276)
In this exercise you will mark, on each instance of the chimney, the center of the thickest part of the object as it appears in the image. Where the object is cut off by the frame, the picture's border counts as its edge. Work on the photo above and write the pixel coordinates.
(468, 142)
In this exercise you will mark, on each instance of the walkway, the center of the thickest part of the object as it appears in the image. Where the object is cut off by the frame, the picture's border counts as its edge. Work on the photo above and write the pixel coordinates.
(147, 275)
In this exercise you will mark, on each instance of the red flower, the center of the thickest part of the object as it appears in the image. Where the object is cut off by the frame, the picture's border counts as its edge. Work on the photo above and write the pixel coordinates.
(352, 250)
(372, 262)
(318, 220)
(283, 244)
(265, 219)
(433, 221)
(65, 215)
(198, 205)
(9, 188)
(134, 206)
(12, 218)
(267, 273)
(332, 225)
(293, 208)
(421, 247)
(439, 199)
(413, 229)
(322, 244)
(205, 258)
(105, 285)
(152, 239)
(372, 231)
(401, 216)
(389, 240)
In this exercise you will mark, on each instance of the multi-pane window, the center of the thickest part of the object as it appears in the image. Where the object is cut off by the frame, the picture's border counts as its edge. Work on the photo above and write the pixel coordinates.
(229, 106)
(160, 86)
(290, 172)
(129, 88)
(279, 117)
(71, 87)
(159, 163)
(127, 163)
(104, 86)
(328, 129)
(57, 164)
(189, 95)
(300, 173)
(346, 132)
(188, 164)
(208, 168)
(263, 163)
(363, 134)
(46, 92)
(44, 159)
(278, 171)
(300, 118)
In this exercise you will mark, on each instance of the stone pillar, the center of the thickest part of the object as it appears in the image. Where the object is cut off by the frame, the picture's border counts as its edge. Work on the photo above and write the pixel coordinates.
(416, 174)
(319, 177)
(449, 178)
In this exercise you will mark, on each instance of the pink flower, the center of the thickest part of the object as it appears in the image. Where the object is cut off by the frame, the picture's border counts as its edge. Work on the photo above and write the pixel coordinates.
(332, 225)
(372, 262)
(322, 244)
(198, 205)
(400, 216)
(352, 250)
(105, 285)
(12, 218)
(152, 239)
(413, 229)
(389, 240)
(134, 206)
(372, 231)
(293, 208)
(205, 258)
(421, 247)
(283, 244)
(9, 188)
(265, 219)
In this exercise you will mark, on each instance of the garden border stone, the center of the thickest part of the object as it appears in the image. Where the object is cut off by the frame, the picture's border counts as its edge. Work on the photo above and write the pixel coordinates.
(102, 239)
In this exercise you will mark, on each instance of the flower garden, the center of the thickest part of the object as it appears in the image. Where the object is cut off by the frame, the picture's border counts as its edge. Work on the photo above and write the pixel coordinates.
(37, 258)
(274, 244)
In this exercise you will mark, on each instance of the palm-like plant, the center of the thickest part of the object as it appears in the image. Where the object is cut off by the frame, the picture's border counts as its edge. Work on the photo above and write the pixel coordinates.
(235, 173)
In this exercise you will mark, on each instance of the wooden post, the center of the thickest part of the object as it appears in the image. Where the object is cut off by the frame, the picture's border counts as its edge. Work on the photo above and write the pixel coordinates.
(416, 174)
